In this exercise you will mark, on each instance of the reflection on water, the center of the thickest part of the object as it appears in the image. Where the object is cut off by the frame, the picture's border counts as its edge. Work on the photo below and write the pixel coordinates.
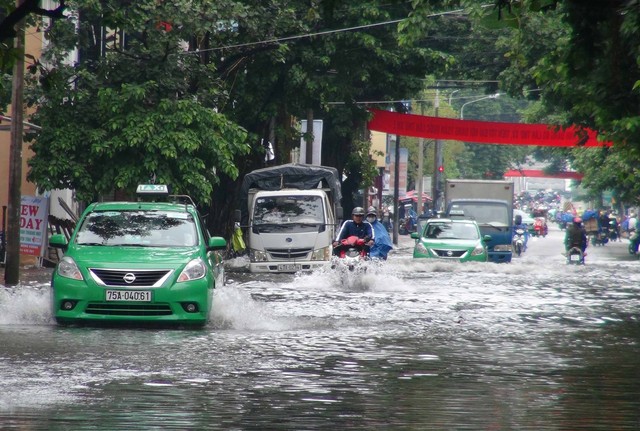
(411, 345)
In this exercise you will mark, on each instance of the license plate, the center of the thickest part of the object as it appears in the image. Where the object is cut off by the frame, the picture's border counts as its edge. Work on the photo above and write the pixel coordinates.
(289, 267)
(575, 257)
(129, 295)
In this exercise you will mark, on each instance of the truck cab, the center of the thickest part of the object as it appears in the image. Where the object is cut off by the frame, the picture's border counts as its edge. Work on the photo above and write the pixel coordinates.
(290, 215)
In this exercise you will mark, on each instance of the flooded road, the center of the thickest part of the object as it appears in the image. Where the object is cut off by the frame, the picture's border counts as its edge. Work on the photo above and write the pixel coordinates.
(413, 345)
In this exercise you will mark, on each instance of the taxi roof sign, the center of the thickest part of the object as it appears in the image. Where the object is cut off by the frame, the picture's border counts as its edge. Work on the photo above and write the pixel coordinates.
(152, 190)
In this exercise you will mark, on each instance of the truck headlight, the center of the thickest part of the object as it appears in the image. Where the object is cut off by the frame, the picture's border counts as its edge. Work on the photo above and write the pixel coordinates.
(193, 271)
(502, 247)
(257, 255)
(321, 254)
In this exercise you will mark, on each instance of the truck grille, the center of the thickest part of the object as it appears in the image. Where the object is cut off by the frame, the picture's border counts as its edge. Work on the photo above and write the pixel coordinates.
(129, 278)
(288, 254)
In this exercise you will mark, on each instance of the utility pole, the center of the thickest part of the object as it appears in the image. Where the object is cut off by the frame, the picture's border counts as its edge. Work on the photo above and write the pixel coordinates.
(437, 161)
(309, 137)
(396, 191)
(420, 167)
(12, 269)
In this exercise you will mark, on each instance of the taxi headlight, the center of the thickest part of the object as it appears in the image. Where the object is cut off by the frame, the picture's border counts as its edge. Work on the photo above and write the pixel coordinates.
(257, 255)
(420, 248)
(193, 270)
(479, 250)
(321, 254)
(68, 268)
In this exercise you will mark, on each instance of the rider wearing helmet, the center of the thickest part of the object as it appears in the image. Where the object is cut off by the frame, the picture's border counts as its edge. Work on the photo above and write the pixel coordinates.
(576, 235)
(357, 226)
(518, 224)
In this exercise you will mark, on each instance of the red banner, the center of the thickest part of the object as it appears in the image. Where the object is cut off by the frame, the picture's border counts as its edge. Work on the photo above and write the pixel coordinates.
(536, 173)
(485, 132)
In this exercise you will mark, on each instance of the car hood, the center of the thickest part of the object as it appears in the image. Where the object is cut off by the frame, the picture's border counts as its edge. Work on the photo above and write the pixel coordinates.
(126, 257)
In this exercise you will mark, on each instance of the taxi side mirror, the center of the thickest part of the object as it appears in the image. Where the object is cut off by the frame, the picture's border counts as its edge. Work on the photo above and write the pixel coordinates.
(217, 243)
(58, 240)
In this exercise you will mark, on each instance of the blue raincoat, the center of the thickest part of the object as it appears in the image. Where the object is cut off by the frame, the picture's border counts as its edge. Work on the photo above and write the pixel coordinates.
(382, 244)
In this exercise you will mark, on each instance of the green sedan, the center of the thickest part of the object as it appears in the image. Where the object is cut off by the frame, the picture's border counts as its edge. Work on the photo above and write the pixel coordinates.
(137, 262)
(451, 239)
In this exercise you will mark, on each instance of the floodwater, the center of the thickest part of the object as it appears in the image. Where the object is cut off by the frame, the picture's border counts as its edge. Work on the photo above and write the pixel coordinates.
(412, 345)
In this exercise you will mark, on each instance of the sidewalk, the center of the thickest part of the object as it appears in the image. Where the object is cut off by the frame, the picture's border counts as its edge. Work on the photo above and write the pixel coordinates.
(30, 274)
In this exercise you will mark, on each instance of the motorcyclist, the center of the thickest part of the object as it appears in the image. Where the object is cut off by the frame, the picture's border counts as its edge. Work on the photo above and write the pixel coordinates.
(382, 243)
(517, 224)
(576, 236)
(357, 226)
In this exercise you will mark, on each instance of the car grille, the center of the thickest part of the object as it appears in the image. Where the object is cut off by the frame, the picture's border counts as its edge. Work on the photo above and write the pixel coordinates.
(289, 253)
(128, 309)
(129, 278)
(453, 254)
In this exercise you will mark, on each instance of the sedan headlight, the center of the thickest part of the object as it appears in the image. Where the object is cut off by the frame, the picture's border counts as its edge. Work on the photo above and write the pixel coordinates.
(194, 270)
(68, 268)
(479, 250)
(420, 248)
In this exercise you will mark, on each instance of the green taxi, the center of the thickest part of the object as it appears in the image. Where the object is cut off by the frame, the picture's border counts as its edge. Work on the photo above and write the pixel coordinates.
(137, 262)
(451, 239)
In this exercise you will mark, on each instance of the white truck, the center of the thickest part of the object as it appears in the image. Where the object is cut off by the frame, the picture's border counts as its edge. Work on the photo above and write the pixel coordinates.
(290, 214)
(490, 204)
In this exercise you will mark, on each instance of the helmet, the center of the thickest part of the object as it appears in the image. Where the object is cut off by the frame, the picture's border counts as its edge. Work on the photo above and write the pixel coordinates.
(518, 219)
(577, 220)
(372, 210)
(358, 211)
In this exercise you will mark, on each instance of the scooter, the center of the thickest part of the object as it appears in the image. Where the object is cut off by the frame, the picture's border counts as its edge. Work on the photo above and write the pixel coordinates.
(575, 256)
(518, 242)
(601, 237)
(350, 255)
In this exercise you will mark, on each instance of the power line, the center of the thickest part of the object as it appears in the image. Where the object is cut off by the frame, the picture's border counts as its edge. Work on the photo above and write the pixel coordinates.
(320, 33)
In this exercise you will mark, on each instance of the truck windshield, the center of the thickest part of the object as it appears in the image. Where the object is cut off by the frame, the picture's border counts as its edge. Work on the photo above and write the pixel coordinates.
(289, 210)
(486, 213)
(138, 228)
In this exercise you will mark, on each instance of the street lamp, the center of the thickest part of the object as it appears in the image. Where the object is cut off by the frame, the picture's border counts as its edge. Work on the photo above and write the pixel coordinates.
(491, 96)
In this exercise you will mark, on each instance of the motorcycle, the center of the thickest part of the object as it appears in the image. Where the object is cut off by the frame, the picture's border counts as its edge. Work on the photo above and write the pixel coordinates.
(575, 256)
(540, 227)
(518, 242)
(601, 237)
(350, 255)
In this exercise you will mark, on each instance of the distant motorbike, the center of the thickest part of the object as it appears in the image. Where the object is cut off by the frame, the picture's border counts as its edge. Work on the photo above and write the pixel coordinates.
(601, 237)
(350, 254)
(575, 256)
(540, 227)
(518, 242)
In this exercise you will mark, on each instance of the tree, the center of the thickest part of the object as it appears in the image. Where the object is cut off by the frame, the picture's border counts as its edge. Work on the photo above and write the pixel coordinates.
(141, 109)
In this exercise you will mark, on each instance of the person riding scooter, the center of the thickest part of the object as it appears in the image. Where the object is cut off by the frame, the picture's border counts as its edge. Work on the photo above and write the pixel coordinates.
(576, 236)
(517, 224)
(357, 226)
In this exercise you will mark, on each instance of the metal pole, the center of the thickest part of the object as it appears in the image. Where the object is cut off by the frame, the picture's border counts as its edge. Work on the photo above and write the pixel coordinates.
(396, 190)
(437, 161)
(420, 167)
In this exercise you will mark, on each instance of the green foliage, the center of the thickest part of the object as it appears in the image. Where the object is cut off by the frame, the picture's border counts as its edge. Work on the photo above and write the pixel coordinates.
(144, 109)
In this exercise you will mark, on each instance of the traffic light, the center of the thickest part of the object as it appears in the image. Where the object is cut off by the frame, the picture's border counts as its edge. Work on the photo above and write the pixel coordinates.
(441, 169)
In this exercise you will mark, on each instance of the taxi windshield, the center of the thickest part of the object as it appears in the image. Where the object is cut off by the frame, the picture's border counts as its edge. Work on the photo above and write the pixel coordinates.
(138, 228)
